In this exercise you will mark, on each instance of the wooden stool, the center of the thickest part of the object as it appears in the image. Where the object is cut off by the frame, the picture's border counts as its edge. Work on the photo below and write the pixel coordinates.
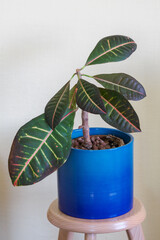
(131, 222)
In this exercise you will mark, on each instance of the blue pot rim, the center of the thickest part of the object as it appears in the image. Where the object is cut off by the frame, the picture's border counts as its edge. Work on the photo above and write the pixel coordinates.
(110, 129)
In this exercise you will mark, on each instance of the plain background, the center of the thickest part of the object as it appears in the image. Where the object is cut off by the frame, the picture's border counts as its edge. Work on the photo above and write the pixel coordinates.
(42, 43)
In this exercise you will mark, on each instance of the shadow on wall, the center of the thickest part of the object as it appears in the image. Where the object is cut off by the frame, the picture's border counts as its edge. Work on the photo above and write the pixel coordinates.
(5, 202)
(151, 224)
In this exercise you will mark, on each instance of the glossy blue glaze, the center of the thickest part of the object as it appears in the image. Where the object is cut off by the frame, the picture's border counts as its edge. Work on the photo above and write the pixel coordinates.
(97, 184)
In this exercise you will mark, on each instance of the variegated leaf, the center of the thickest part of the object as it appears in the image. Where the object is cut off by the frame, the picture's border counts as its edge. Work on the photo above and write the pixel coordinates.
(120, 113)
(72, 97)
(37, 150)
(88, 98)
(111, 49)
(128, 86)
(57, 106)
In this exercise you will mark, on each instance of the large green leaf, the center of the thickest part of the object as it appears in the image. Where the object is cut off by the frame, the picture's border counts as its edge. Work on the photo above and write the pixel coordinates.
(37, 150)
(57, 106)
(120, 113)
(72, 97)
(128, 86)
(88, 97)
(111, 49)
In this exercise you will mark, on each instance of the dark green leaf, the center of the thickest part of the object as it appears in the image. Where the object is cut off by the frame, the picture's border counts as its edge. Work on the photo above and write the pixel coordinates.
(128, 86)
(111, 49)
(88, 98)
(120, 113)
(57, 106)
(72, 97)
(37, 150)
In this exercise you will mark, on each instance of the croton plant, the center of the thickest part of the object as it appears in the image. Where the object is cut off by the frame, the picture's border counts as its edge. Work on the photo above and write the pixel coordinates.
(43, 144)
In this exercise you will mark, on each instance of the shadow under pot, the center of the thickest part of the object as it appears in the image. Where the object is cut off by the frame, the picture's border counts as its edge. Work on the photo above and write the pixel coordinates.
(97, 184)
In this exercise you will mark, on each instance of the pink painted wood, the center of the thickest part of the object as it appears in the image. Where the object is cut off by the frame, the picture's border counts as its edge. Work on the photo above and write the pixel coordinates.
(90, 236)
(65, 235)
(131, 222)
(135, 233)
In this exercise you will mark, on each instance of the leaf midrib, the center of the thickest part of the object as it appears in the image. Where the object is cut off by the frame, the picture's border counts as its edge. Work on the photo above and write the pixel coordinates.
(75, 91)
(109, 51)
(120, 113)
(90, 98)
(58, 103)
(118, 85)
(29, 160)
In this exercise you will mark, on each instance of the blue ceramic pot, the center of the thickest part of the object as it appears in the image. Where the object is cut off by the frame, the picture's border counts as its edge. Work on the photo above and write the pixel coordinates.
(97, 184)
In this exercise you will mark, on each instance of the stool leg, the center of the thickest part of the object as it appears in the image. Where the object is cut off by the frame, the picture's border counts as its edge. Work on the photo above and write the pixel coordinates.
(135, 233)
(65, 235)
(90, 236)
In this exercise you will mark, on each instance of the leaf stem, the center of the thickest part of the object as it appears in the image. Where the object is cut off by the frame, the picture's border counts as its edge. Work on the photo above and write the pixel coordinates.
(87, 75)
(85, 125)
(73, 76)
(82, 67)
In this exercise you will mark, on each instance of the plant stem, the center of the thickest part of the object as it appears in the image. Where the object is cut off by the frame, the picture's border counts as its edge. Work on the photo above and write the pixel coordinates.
(85, 125)
(82, 68)
(87, 76)
(73, 76)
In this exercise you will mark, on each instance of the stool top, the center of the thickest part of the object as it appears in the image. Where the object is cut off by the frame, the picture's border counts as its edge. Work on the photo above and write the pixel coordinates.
(110, 225)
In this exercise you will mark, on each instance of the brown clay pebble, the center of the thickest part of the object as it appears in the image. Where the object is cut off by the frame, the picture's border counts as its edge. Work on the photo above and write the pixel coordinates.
(107, 147)
(76, 143)
(80, 140)
(99, 142)
(95, 147)
(92, 138)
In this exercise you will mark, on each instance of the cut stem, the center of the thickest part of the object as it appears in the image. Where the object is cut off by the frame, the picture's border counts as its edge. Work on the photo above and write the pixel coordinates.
(85, 125)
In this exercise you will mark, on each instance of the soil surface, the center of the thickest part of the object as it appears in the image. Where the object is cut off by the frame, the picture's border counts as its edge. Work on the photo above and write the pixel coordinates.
(99, 142)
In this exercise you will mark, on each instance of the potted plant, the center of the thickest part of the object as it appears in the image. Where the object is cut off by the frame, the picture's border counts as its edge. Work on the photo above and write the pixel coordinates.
(94, 181)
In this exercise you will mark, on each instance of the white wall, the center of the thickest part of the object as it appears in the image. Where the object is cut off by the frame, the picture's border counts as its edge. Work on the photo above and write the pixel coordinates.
(42, 43)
